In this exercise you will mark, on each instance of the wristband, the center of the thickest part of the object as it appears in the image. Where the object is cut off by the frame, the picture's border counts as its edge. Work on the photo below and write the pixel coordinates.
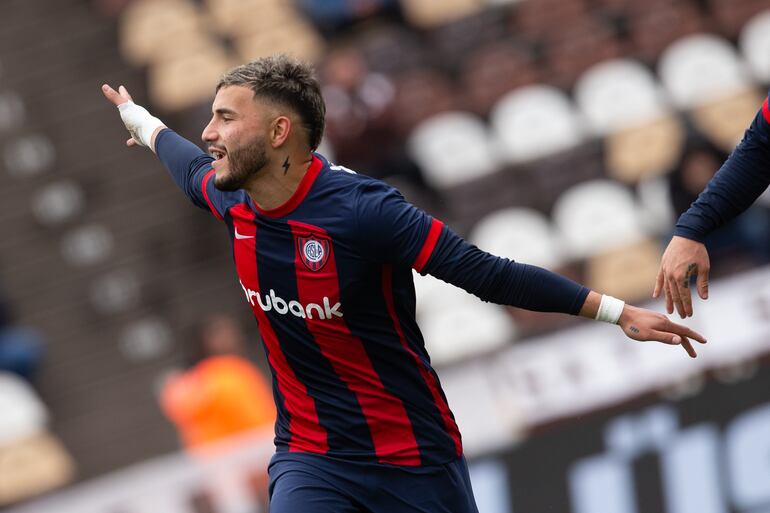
(139, 122)
(610, 309)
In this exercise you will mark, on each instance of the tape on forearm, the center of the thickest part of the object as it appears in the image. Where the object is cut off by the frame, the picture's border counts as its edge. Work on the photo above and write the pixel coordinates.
(610, 309)
(139, 122)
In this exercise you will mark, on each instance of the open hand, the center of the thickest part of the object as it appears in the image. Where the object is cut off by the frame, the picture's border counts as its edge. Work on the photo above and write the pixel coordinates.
(118, 98)
(683, 259)
(142, 125)
(640, 324)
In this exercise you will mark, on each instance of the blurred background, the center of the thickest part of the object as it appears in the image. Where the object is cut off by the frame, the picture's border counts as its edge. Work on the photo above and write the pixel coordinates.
(564, 133)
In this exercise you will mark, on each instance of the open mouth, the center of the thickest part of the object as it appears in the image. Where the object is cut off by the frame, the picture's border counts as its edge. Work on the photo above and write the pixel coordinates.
(217, 154)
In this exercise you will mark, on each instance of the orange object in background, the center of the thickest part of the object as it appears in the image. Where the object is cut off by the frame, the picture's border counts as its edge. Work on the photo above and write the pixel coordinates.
(223, 394)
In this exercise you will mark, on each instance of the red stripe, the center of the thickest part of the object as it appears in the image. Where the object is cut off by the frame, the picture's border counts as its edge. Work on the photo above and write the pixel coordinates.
(428, 245)
(206, 194)
(389, 425)
(299, 194)
(307, 435)
(427, 376)
(766, 110)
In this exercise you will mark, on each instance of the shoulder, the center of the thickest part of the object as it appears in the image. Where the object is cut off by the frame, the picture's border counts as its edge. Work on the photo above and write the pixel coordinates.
(340, 177)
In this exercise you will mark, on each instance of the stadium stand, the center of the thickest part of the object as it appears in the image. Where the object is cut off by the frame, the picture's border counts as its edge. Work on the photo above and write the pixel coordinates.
(495, 103)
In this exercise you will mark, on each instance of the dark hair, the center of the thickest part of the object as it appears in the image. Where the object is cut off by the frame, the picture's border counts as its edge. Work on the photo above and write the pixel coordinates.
(286, 81)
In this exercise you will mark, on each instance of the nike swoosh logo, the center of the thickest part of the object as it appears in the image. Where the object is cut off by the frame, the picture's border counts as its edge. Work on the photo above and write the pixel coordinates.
(241, 236)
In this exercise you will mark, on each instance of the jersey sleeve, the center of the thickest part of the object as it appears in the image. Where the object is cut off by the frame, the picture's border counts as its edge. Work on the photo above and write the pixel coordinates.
(738, 183)
(190, 167)
(394, 231)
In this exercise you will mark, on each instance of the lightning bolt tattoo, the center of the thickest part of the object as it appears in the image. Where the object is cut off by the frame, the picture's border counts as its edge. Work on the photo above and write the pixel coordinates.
(286, 165)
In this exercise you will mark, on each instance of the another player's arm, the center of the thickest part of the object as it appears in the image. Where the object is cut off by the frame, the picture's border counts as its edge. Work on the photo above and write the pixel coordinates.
(738, 183)
(186, 162)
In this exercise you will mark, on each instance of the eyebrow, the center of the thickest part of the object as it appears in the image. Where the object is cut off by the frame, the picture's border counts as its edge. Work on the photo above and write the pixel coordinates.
(223, 110)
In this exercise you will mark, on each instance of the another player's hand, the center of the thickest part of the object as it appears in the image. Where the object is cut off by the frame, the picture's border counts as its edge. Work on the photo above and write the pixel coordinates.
(682, 259)
(643, 325)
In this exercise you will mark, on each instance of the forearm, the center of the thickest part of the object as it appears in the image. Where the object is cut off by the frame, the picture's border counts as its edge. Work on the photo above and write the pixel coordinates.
(184, 160)
(502, 281)
(739, 182)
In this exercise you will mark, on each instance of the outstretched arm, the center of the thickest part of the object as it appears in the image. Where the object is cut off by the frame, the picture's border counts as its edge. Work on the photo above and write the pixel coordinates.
(188, 165)
(503, 281)
(394, 231)
(738, 183)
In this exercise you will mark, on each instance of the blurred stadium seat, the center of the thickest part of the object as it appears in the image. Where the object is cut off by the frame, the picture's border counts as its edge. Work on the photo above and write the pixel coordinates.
(648, 149)
(700, 68)
(32, 461)
(186, 81)
(156, 30)
(521, 234)
(433, 13)
(616, 94)
(533, 122)
(452, 148)
(724, 120)
(595, 216)
(755, 45)
(626, 271)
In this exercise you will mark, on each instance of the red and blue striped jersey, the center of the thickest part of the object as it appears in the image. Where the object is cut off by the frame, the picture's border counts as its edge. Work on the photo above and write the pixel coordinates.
(328, 276)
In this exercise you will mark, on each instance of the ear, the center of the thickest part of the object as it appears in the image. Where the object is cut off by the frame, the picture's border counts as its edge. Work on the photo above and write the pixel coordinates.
(280, 129)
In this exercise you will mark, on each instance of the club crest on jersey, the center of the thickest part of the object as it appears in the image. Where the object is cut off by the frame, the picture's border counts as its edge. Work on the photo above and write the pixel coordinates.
(313, 251)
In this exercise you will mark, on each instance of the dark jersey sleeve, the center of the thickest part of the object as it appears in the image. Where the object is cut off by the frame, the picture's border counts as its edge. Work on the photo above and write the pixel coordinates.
(738, 183)
(190, 167)
(395, 231)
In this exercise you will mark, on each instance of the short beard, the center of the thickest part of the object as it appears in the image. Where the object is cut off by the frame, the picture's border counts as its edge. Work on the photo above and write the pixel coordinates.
(244, 163)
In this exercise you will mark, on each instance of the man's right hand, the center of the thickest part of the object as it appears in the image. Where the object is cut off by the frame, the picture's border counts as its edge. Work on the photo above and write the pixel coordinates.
(142, 126)
(682, 259)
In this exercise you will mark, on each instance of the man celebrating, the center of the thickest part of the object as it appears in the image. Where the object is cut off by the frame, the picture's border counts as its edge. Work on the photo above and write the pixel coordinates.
(739, 182)
(325, 257)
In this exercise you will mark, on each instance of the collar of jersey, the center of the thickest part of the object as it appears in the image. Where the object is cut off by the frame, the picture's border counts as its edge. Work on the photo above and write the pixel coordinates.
(302, 189)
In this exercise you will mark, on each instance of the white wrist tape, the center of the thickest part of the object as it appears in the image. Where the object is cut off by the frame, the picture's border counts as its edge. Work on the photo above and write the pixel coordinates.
(610, 309)
(139, 122)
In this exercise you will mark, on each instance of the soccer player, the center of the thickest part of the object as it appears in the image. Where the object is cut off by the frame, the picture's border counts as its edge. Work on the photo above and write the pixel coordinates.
(324, 257)
(739, 182)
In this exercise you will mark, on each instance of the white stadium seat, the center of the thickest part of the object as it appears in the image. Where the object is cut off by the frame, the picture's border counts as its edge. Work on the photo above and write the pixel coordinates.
(755, 45)
(658, 214)
(434, 295)
(596, 216)
(466, 329)
(452, 148)
(522, 234)
(23, 413)
(533, 122)
(700, 68)
(618, 93)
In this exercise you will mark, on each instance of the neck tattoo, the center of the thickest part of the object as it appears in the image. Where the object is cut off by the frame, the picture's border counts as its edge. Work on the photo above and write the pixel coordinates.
(286, 165)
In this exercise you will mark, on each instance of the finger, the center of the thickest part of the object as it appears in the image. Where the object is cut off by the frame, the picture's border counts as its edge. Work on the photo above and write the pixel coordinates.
(658, 284)
(112, 95)
(124, 93)
(685, 331)
(669, 296)
(702, 283)
(687, 345)
(665, 337)
(684, 295)
(131, 142)
(673, 289)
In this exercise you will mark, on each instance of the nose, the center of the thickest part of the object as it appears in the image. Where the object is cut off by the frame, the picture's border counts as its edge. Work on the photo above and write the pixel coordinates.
(209, 133)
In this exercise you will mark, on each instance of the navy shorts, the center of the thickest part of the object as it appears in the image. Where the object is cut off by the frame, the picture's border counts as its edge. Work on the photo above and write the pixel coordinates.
(312, 483)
